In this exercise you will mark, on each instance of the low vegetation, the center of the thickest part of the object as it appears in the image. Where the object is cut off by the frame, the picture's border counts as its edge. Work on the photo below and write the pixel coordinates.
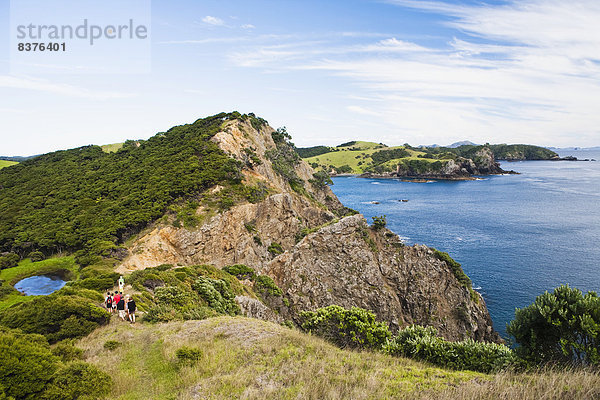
(30, 369)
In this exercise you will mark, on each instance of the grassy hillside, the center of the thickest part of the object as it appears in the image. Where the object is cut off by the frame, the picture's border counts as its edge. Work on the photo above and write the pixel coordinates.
(251, 359)
(5, 163)
(357, 157)
(111, 148)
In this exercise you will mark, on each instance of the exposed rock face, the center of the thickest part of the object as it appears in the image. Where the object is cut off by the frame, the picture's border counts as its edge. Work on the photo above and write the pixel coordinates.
(255, 309)
(326, 260)
(349, 264)
(238, 236)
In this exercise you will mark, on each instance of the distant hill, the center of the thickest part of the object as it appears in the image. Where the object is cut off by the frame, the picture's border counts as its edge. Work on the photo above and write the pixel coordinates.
(17, 158)
(359, 157)
(463, 143)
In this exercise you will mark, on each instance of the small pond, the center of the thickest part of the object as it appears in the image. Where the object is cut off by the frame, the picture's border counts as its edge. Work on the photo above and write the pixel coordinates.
(40, 285)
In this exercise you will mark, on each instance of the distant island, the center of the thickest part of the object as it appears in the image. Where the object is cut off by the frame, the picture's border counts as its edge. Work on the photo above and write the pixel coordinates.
(465, 161)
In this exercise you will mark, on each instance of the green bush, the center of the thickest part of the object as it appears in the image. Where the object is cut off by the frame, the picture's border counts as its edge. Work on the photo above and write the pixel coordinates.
(6, 290)
(27, 364)
(9, 260)
(454, 266)
(188, 355)
(275, 248)
(559, 327)
(240, 271)
(36, 256)
(162, 313)
(57, 317)
(264, 285)
(172, 295)
(100, 284)
(379, 222)
(217, 294)
(423, 344)
(111, 345)
(78, 381)
(67, 351)
(353, 328)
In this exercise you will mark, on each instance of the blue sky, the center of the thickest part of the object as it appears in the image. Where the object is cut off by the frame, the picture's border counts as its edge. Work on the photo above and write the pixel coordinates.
(391, 71)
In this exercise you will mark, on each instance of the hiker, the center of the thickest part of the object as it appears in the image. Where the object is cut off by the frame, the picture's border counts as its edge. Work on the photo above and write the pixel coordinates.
(114, 303)
(108, 300)
(131, 307)
(121, 307)
(121, 283)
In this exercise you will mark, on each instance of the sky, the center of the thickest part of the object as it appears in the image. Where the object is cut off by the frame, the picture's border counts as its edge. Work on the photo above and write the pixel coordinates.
(391, 71)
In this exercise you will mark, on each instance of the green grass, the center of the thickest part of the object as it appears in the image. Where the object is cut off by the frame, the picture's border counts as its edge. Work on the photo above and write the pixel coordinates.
(248, 358)
(26, 268)
(252, 359)
(349, 157)
(4, 163)
(111, 148)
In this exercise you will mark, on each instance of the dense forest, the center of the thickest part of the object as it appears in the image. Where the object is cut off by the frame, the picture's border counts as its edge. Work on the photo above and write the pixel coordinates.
(85, 198)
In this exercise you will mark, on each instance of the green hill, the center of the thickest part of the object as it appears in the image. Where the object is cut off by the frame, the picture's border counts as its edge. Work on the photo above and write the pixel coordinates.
(89, 199)
(358, 157)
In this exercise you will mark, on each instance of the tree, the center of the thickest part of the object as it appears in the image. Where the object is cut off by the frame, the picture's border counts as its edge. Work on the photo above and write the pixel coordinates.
(563, 327)
(379, 222)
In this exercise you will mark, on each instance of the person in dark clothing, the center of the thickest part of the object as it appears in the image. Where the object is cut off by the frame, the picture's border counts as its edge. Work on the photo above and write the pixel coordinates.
(121, 308)
(131, 307)
(108, 300)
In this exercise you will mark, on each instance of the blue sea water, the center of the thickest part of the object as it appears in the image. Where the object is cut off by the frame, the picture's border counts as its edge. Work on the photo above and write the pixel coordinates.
(516, 236)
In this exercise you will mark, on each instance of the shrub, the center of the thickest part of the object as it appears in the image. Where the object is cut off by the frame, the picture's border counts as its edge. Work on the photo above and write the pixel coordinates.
(78, 381)
(173, 296)
(217, 294)
(379, 222)
(111, 345)
(264, 285)
(275, 248)
(6, 290)
(188, 355)
(36, 256)
(161, 313)
(57, 317)
(99, 284)
(454, 266)
(9, 260)
(354, 328)
(66, 351)
(562, 326)
(240, 271)
(26, 364)
(423, 344)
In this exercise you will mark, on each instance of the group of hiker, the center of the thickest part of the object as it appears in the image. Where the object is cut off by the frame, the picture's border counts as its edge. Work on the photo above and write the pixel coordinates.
(123, 305)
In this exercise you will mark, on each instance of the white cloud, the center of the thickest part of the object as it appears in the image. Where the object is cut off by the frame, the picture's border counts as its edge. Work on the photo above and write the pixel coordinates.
(248, 26)
(213, 21)
(526, 71)
(13, 82)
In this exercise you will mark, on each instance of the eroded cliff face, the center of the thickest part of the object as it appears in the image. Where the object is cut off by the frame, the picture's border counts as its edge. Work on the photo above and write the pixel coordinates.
(328, 258)
(350, 264)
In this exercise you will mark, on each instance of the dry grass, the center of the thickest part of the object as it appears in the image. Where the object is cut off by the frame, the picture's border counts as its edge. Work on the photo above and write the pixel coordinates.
(250, 359)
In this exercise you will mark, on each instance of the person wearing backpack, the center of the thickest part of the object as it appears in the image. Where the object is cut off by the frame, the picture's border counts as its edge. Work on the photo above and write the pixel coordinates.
(108, 300)
(121, 308)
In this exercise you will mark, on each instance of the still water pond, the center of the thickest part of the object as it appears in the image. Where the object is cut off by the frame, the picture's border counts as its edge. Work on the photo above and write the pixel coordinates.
(40, 285)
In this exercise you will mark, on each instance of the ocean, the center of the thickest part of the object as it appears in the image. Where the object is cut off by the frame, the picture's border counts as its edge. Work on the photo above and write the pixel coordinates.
(516, 236)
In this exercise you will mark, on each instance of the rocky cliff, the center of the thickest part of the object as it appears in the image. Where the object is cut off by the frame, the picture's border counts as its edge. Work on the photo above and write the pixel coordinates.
(302, 236)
